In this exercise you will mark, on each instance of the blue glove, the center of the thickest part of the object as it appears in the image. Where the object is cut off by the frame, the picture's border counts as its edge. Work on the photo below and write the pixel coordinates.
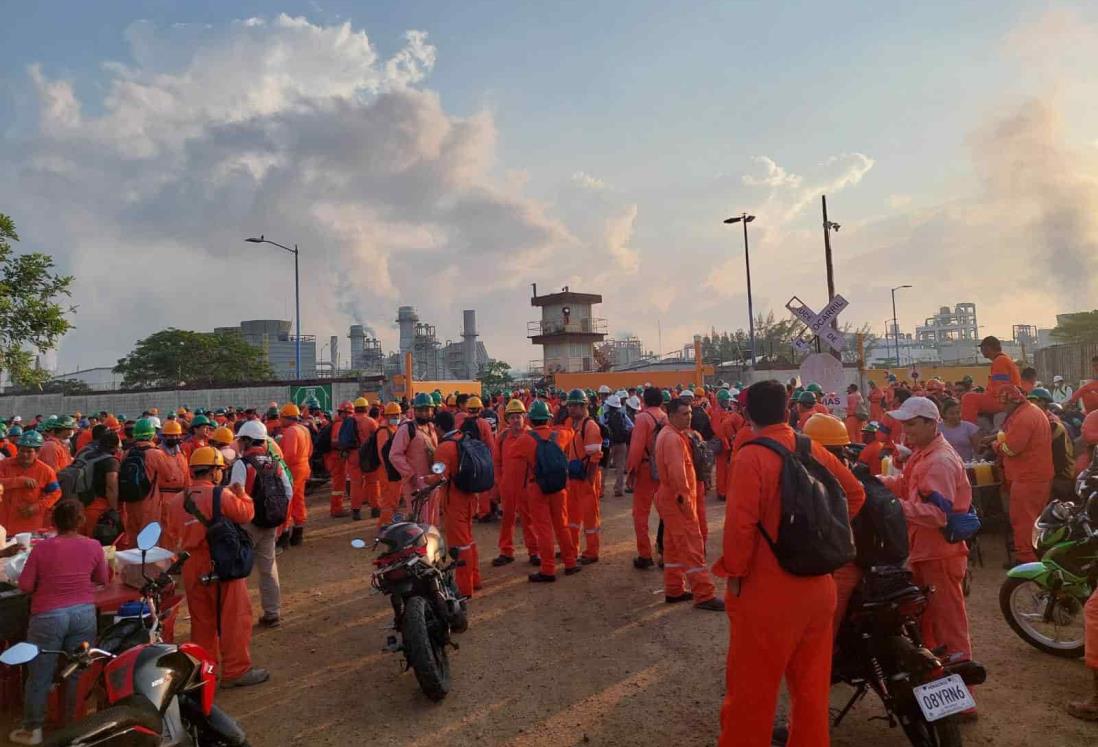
(940, 501)
(960, 527)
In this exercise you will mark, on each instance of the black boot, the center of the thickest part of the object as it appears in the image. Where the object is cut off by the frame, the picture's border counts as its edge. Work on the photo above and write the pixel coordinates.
(283, 541)
(541, 578)
(356, 514)
(297, 537)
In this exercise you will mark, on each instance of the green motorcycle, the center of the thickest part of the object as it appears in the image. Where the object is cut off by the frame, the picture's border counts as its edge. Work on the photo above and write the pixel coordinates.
(1043, 601)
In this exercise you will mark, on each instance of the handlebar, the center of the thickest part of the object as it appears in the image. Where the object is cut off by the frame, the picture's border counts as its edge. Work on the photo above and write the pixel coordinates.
(82, 657)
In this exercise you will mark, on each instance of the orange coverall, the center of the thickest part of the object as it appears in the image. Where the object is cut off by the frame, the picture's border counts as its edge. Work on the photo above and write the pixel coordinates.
(644, 488)
(935, 562)
(363, 489)
(511, 471)
(853, 424)
(335, 461)
(83, 438)
(804, 414)
(583, 494)
(726, 427)
(297, 446)
(1090, 626)
(232, 644)
(676, 502)
(876, 404)
(1027, 469)
(55, 453)
(458, 509)
(779, 624)
(1003, 373)
(189, 446)
(1089, 394)
(389, 490)
(412, 456)
(548, 513)
(165, 478)
(17, 497)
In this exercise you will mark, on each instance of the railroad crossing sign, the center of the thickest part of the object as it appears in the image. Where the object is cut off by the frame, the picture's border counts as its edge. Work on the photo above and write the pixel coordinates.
(322, 393)
(819, 324)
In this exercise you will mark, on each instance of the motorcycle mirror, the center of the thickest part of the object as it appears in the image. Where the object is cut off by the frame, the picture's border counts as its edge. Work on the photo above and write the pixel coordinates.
(18, 654)
(148, 537)
(438, 468)
(358, 544)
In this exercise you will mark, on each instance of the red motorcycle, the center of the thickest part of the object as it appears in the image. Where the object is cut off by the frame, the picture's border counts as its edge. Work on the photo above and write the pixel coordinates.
(157, 694)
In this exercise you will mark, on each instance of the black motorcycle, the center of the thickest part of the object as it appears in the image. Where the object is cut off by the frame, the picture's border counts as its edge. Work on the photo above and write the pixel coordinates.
(157, 694)
(879, 648)
(417, 573)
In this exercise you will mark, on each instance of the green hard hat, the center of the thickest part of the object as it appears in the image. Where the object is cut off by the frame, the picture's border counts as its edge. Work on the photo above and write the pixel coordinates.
(814, 388)
(32, 439)
(666, 396)
(539, 412)
(1040, 393)
(807, 398)
(423, 399)
(66, 422)
(577, 397)
(144, 430)
(435, 397)
(203, 420)
(16, 430)
(724, 395)
(3, 430)
(870, 427)
(49, 424)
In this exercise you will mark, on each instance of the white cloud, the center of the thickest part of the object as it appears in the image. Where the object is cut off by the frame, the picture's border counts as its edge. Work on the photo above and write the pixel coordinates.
(587, 181)
(773, 175)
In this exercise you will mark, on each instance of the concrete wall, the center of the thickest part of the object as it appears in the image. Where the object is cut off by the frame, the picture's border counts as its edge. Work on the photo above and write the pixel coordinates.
(132, 404)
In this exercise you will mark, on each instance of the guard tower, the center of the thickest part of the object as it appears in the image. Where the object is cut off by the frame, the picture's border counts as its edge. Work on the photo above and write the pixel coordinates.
(567, 332)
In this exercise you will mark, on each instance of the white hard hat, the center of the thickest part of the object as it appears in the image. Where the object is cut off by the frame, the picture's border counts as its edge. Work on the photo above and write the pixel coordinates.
(622, 393)
(252, 429)
(687, 393)
(155, 421)
(613, 401)
(604, 389)
(634, 402)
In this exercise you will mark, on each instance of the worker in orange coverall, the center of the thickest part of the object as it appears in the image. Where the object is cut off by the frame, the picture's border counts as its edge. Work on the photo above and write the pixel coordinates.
(511, 478)
(164, 480)
(335, 461)
(584, 453)
(296, 444)
(30, 487)
(458, 507)
(854, 402)
(228, 638)
(779, 624)
(1004, 373)
(55, 450)
(363, 491)
(934, 467)
(389, 489)
(726, 423)
(1025, 445)
(1088, 709)
(548, 511)
(641, 452)
(1088, 392)
(676, 502)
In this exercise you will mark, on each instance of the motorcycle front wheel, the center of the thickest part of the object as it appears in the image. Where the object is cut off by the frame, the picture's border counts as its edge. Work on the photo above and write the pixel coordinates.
(1024, 603)
(425, 648)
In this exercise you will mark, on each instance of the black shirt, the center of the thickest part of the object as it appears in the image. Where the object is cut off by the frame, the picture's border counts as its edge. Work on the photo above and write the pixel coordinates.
(100, 470)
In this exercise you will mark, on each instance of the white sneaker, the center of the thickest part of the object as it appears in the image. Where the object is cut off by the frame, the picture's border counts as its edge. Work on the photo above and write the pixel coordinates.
(26, 736)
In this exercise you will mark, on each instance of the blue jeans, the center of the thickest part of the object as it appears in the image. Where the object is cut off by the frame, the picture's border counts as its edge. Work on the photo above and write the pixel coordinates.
(60, 630)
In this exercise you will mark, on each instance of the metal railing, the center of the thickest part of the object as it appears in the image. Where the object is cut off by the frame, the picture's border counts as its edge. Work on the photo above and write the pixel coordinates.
(560, 327)
(562, 365)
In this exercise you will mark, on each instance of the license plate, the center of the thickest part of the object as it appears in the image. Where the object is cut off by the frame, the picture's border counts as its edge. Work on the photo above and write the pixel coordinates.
(943, 697)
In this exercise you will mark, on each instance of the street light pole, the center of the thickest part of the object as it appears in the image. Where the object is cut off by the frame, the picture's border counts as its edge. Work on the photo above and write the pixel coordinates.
(828, 227)
(745, 219)
(895, 324)
(297, 298)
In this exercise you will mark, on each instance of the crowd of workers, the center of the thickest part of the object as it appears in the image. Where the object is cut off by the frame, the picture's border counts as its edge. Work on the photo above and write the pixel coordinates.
(667, 448)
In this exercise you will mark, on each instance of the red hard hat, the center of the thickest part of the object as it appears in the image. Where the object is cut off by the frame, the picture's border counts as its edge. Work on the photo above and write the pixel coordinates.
(346, 405)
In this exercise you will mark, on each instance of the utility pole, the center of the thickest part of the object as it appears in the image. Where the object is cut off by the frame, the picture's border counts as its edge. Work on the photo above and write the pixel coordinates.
(828, 227)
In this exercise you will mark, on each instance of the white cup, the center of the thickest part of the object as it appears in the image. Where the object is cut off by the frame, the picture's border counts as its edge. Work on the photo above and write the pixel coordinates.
(24, 539)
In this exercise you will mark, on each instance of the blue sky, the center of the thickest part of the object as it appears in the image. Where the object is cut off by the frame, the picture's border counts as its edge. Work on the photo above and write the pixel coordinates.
(614, 136)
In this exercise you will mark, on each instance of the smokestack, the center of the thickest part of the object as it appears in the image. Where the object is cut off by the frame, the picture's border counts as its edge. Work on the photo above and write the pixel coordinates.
(406, 319)
(358, 344)
(333, 348)
(469, 335)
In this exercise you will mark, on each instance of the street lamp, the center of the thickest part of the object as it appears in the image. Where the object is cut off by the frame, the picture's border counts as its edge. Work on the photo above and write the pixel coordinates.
(745, 219)
(297, 299)
(895, 325)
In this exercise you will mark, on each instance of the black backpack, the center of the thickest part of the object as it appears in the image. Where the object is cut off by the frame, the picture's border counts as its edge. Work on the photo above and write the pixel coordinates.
(368, 459)
(347, 440)
(475, 472)
(653, 471)
(268, 492)
(391, 471)
(322, 441)
(470, 429)
(77, 479)
(550, 465)
(702, 457)
(615, 421)
(133, 480)
(880, 529)
(231, 548)
(814, 536)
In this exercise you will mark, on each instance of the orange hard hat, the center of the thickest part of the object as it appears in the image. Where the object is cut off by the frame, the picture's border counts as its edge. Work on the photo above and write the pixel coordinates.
(172, 428)
(290, 410)
(826, 430)
(346, 406)
(699, 392)
(112, 423)
(207, 456)
(391, 409)
(223, 436)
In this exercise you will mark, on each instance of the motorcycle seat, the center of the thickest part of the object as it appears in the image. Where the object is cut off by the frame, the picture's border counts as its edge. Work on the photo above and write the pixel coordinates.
(891, 596)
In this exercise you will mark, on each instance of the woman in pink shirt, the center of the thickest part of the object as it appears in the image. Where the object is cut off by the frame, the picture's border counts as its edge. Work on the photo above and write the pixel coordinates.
(60, 576)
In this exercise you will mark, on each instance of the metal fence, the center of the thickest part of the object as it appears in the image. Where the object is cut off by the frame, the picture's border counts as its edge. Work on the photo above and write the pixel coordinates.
(1072, 361)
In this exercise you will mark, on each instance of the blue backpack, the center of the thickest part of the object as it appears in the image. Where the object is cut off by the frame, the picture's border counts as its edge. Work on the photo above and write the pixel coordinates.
(475, 473)
(550, 465)
(348, 435)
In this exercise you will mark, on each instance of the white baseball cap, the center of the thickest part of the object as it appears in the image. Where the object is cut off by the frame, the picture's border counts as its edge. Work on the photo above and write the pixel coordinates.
(917, 407)
(1057, 379)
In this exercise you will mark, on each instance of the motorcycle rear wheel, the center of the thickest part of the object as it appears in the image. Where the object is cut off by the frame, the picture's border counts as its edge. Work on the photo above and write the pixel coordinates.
(426, 652)
(1018, 593)
(923, 733)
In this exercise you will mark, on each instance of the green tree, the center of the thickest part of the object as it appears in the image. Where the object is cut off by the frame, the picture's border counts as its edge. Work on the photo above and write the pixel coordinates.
(1080, 327)
(175, 357)
(30, 316)
(495, 375)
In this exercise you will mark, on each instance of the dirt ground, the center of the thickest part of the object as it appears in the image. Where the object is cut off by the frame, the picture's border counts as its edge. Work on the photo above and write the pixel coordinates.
(594, 659)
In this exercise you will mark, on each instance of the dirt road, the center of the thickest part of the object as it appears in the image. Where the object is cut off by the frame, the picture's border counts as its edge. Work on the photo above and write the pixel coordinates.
(596, 658)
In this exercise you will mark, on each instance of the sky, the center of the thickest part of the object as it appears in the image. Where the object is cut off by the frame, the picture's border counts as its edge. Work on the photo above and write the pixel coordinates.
(448, 155)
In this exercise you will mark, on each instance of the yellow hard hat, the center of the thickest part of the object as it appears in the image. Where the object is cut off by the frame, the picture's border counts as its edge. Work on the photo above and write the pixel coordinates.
(699, 392)
(290, 410)
(362, 402)
(826, 430)
(223, 435)
(474, 403)
(207, 456)
(391, 409)
(172, 428)
(514, 406)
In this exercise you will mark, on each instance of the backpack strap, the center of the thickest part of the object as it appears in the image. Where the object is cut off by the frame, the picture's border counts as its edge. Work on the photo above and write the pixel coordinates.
(190, 507)
(804, 447)
(783, 452)
(216, 504)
